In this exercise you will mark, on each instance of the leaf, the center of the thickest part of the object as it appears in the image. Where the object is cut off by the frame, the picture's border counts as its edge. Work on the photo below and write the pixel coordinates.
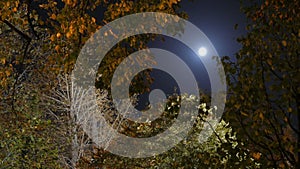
(284, 43)
(57, 48)
(68, 35)
(261, 115)
(256, 155)
(244, 114)
(52, 38)
(93, 20)
(3, 61)
(269, 61)
(53, 16)
(7, 72)
(58, 35)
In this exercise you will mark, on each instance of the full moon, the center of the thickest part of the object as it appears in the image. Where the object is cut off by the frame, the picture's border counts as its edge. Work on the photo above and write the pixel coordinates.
(202, 51)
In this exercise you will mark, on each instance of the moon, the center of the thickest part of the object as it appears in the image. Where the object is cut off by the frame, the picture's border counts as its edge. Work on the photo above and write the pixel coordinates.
(202, 51)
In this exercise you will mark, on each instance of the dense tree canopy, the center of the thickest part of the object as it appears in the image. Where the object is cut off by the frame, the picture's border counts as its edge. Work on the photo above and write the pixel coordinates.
(264, 81)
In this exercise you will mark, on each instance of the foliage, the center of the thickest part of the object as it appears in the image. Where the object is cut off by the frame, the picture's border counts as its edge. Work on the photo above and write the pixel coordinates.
(221, 149)
(264, 84)
(25, 140)
(39, 40)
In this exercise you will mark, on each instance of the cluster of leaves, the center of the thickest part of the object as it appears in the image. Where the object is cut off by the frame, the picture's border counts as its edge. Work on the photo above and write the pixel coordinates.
(25, 141)
(220, 150)
(264, 84)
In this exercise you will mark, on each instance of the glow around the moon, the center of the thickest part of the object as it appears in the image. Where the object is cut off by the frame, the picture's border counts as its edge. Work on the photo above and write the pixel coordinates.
(202, 51)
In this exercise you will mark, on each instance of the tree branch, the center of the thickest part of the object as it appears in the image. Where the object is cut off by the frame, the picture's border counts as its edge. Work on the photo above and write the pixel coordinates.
(25, 36)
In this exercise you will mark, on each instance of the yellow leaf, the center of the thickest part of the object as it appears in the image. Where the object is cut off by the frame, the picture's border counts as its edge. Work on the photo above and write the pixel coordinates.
(58, 35)
(8, 73)
(3, 60)
(237, 106)
(284, 43)
(161, 6)
(71, 29)
(68, 34)
(52, 38)
(261, 116)
(53, 16)
(171, 2)
(68, 2)
(244, 114)
(15, 9)
(127, 8)
(93, 20)
(8, 4)
(81, 29)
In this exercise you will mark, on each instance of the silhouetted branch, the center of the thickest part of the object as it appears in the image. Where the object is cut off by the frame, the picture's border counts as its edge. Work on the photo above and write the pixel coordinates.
(25, 36)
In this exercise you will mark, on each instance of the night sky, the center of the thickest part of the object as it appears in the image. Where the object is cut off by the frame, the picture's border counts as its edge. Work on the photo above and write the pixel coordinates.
(216, 18)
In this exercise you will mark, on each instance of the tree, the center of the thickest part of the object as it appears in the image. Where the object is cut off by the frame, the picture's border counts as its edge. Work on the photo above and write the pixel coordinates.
(40, 40)
(25, 140)
(264, 91)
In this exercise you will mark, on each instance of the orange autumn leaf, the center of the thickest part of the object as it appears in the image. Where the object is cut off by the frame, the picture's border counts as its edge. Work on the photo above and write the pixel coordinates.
(284, 43)
(8, 73)
(58, 35)
(3, 61)
(68, 34)
(52, 38)
(53, 16)
(93, 20)
(256, 156)
(57, 48)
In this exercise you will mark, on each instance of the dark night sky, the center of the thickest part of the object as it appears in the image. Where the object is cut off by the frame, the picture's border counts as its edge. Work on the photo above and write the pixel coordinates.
(216, 18)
